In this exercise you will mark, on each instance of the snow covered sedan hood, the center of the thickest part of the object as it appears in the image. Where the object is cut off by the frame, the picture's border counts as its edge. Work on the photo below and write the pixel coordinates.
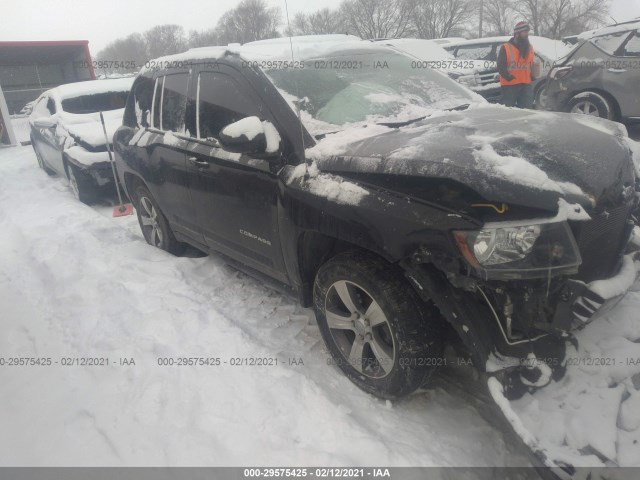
(87, 129)
(521, 157)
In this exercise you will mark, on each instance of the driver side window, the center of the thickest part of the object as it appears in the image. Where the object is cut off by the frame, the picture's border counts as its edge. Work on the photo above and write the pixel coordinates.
(221, 102)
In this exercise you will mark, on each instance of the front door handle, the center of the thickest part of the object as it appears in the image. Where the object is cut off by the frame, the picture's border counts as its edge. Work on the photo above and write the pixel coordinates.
(616, 70)
(198, 163)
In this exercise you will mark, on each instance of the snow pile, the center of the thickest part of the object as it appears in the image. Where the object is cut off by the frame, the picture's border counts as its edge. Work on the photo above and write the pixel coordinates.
(516, 169)
(169, 138)
(591, 416)
(85, 157)
(21, 128)
(326, 185)
(250, 127)
(75, 282)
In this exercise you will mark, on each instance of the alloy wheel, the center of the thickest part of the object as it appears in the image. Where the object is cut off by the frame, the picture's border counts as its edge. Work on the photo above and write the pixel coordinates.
(360, 329)
(586, 107)
(150, 225)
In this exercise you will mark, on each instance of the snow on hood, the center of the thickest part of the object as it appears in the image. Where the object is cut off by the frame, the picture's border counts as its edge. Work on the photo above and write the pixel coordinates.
(522, 157)
(87, 128)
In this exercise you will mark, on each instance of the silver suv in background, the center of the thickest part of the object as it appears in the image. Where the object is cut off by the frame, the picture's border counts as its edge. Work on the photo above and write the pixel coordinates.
(601, 76)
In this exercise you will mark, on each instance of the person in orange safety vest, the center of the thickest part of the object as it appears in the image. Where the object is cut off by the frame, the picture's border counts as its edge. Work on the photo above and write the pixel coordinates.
(516, 68)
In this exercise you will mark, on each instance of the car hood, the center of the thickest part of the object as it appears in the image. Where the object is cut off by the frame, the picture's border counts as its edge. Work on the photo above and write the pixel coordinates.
(521, 157)
(86, 129)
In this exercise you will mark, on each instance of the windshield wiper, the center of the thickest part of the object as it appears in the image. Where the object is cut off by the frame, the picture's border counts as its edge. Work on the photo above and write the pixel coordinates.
(464, 106)
(401, 124)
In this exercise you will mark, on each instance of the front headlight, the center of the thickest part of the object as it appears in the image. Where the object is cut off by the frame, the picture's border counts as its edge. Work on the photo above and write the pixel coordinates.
(525, 248)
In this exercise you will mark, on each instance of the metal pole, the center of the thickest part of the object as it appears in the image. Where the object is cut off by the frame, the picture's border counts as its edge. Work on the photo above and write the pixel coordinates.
(6, 119)
(481, 18)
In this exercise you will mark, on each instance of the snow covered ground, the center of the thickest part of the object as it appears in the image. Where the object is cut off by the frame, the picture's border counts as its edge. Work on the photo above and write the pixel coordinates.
(75, 283)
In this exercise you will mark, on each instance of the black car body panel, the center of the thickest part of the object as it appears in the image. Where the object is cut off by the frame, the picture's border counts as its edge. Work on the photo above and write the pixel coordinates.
(559, 145)
(264, 211)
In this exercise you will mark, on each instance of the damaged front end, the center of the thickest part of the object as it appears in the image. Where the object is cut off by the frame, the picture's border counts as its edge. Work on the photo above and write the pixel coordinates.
(523, 292)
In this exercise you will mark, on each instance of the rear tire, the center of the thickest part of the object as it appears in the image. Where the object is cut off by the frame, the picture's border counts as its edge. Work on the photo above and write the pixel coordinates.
(541, 98)
(154, 225)
(591, 103)
(383, 337)
(82, 185)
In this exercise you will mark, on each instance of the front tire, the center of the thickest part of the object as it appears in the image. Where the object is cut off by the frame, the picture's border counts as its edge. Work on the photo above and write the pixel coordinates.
(591, 103)
(40, 160)
(82, 186)
(383, 337)
(154, 225)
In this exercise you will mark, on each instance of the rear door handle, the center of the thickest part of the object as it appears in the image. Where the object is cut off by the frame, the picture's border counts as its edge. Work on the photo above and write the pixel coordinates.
(198, 163)
(616, 70)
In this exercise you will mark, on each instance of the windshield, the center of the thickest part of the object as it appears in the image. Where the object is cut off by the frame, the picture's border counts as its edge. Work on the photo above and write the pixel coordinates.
(371, 87)
(98, 102)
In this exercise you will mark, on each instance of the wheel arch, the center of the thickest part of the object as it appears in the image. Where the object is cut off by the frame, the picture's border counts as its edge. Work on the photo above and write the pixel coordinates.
(617, 112)
(314, 248)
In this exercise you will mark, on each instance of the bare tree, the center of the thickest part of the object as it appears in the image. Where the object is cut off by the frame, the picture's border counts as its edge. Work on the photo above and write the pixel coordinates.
(324, 21)
(378, 18)
(442, 18)
(571, 16)
(205, 38)
(499, 17)
(131, 50)
(250, 20)
(165, 40)
(555, 18)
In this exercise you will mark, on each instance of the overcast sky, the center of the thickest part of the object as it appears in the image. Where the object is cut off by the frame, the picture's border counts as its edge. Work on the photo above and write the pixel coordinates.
(101, 21)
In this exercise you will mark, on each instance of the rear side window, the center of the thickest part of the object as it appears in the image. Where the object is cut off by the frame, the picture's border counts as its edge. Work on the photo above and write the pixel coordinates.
(170, 102)
(99, 102)
(475, 52)
(174, 101)
(157, 100)
(221, 102)
(632, 48)
(138, 110)
(610, 43)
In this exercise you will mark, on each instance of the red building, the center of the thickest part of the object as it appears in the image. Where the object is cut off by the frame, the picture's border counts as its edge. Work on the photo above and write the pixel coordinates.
(29, 68)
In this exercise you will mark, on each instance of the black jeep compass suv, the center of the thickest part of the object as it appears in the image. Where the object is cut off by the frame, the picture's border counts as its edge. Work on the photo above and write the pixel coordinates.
(392, 199)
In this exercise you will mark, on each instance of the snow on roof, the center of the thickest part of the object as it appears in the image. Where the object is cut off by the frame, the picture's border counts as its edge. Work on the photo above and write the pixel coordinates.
(418, 47)
(619, 27)
(90, 87)
(447, 40)
(338, 37)
(304, 47)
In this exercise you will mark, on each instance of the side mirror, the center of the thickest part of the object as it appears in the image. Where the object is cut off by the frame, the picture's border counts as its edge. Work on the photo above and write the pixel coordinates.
(250, 135)
(44, 122)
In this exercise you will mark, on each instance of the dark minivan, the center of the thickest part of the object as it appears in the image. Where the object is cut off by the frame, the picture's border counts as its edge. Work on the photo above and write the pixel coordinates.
(398, 203)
